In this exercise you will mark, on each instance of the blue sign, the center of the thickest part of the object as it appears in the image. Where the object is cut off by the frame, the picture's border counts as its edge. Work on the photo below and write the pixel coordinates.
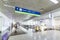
(18, 9)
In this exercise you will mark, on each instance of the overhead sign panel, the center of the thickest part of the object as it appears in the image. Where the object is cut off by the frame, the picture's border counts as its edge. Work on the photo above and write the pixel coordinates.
(26, 11)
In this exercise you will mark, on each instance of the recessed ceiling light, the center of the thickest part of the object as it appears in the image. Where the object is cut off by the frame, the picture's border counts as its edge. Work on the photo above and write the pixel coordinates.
(54, 1)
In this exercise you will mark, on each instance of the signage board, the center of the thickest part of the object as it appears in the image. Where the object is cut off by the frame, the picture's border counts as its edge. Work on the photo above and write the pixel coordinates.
(26, 11)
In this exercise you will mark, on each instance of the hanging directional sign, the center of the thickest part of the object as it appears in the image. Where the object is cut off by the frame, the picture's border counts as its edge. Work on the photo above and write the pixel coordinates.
(26, 11)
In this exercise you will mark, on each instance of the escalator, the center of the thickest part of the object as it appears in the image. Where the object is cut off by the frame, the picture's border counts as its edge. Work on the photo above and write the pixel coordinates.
(20, 30)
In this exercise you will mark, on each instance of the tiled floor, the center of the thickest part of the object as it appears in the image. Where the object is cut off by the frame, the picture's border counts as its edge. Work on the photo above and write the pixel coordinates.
(47, 35)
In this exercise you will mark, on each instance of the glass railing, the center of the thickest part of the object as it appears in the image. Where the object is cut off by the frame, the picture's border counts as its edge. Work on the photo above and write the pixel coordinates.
(5, 34)
(0, 35)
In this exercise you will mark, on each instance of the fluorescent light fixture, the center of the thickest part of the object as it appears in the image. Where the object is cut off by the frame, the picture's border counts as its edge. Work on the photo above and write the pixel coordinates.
(8, 6)
(42, 9)
(54, 1)
(5, 0)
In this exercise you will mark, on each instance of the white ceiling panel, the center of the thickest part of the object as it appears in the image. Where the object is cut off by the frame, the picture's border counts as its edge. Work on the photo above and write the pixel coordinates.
(37, 5)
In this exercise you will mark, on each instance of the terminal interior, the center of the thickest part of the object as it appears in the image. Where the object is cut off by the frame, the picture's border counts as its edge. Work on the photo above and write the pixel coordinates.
(17, 26)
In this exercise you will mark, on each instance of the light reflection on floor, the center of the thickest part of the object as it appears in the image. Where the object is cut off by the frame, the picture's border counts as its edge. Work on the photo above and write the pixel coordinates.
(46, 35)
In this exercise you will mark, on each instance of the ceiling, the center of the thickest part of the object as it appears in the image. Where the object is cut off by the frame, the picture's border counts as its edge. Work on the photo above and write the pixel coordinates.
(37, 5)
(42, 6)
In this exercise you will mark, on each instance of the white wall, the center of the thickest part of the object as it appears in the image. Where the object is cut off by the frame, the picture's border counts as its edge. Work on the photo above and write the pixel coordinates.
(57, 18)
(6, 21)
(55, 14)
(0, 23)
